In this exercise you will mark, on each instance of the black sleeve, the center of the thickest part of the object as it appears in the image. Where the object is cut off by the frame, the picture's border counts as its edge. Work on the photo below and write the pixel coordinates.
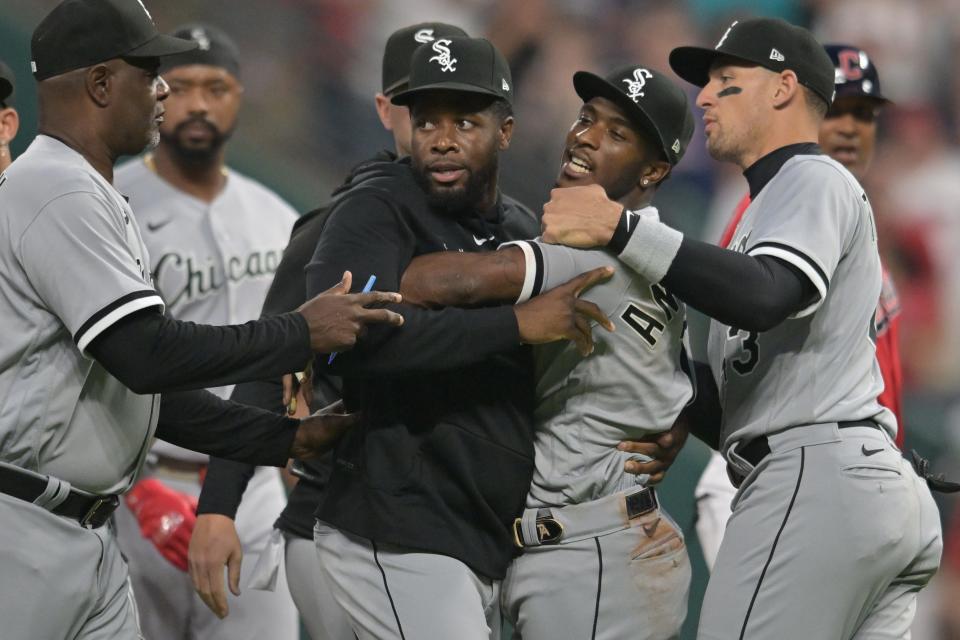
(366, 235)
(750, 293)
(704, 412)
(227, 480)
(152, 353)
(200, 421)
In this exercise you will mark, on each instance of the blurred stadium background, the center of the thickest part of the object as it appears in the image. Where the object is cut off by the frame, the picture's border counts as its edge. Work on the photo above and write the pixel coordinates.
(311, 68)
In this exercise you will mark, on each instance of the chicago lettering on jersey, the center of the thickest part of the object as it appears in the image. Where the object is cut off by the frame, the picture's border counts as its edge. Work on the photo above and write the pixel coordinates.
(182, 278)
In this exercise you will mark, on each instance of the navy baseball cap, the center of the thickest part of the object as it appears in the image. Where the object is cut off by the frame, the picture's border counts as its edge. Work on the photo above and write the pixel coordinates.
(400, 47)
(470, 65)
(650, 100)
(771, 43)
(6, 85)
(214, 48)
(82, 33)
(854, 72)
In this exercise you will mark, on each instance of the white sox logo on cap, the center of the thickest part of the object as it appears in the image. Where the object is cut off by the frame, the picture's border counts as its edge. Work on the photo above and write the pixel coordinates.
(198, 35)
(424, 36)
(443, 57)
(636, 83)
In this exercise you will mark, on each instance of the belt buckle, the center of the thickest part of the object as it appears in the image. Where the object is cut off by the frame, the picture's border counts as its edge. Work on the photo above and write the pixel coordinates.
(549, 531)
(641, 503)
(94, 517)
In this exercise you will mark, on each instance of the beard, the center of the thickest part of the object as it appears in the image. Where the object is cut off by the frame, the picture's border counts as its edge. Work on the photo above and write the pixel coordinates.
(468, 198)
(204, 152)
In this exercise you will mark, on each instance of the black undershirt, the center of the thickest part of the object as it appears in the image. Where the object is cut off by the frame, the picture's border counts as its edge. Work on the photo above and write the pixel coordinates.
(152, 353)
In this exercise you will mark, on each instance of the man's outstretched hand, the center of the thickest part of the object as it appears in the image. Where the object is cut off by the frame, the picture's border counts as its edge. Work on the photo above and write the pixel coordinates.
(560, 314)
(336, 317)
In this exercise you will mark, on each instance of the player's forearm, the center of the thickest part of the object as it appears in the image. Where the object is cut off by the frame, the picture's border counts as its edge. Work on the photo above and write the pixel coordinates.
(454, 279)
(750, 293)
(200, 421)
(150, 353)
(223, 486)
(431, 340)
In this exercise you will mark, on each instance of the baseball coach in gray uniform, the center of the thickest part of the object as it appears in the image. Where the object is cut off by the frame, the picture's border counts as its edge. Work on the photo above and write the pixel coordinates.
(85, 348)
(600, 558)
(832, 532)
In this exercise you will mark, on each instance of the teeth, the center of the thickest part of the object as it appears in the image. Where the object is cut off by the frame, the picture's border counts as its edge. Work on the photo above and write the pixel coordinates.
(578, 166)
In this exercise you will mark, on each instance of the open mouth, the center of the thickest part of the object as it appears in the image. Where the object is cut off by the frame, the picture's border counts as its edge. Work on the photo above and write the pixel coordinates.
(446, 173)
(576, 166)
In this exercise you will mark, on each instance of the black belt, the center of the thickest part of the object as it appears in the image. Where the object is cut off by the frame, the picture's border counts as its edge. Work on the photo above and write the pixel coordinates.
(759, 448)
(91, 511)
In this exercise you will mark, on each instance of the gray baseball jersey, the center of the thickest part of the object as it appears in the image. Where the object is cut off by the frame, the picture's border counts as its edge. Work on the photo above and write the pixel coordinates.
(634, 383)
(72, 264)
(212, 262)
(820, 365)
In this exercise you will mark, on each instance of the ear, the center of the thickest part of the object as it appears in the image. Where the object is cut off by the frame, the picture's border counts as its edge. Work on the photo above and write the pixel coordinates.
(383, 110)
(506, 133)
(99, 80)
(786, 88)
(654, 173)
(9, 124)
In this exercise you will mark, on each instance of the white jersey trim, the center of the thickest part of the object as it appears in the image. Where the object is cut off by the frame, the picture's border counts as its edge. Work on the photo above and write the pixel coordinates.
(86, 335)
(803, 263)
(530, 268)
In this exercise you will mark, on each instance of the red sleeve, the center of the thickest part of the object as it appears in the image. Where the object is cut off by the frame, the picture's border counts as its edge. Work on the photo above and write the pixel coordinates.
(888, 351)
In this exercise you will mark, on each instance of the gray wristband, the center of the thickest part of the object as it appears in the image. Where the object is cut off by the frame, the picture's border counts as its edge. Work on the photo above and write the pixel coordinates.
(651, 249)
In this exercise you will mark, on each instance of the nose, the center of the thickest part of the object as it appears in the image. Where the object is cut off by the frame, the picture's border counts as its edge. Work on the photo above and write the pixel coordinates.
(705, 97)
(587, 135)
(445, 139)
(846, 125)
(163, 89)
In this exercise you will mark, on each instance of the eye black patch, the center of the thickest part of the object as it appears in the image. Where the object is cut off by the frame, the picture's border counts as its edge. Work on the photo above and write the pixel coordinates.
(729, 91)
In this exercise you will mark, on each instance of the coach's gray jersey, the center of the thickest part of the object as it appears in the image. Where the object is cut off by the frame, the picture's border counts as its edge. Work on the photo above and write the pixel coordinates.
(213, 262)
(72, 263)
(820, 365)
(632, 384)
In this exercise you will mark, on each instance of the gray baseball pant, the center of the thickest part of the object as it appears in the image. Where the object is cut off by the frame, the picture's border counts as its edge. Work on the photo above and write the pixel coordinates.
(832, 536)
(608, 577)
(60, 580)
(393, 593)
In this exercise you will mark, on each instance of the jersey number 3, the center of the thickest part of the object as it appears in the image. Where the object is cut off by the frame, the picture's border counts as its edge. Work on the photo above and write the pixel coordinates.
(748, 347)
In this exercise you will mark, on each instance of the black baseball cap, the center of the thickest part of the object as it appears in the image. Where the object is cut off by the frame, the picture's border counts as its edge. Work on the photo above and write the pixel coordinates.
(214, 48)
(771, 43)
(82, 33)
(6, 85)
(654, 103)
(400, 47)
(471, 65)
(854, 72)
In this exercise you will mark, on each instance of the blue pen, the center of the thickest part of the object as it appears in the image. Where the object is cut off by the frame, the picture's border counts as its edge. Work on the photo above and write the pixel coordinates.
(367, 288)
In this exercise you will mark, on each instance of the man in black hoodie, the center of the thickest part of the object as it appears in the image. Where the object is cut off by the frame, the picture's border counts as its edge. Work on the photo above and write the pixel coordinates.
(414, 529)
(215, 543)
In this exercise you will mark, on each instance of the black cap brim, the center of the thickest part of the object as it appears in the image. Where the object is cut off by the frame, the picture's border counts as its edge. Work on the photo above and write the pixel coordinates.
(161, 45)
(693, 63)
(6, 89)
(404, 98)
(590, 85)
